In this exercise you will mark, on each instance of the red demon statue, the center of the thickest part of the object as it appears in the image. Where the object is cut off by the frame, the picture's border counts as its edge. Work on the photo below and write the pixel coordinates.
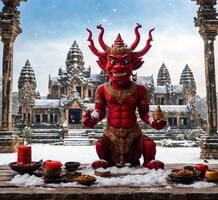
(122, 141)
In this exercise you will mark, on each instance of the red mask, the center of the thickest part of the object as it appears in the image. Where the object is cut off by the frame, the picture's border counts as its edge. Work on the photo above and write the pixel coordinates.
(119, 60)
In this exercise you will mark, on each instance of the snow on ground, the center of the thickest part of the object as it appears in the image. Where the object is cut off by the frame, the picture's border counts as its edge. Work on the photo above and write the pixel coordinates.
(137, 177)
(87, 154)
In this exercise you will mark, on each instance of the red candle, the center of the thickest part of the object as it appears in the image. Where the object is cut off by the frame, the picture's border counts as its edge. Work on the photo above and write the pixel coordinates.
(24, 155)
(52, 164)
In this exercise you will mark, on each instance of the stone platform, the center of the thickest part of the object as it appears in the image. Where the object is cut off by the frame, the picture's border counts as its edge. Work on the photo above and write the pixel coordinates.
(12, 192)
(8, 141)
(209, 147)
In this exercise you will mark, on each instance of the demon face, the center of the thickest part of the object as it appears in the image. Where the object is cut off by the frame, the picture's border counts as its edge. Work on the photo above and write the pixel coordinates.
(119, 60)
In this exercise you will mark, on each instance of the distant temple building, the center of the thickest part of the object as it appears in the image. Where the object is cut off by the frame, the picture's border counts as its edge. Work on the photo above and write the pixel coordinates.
(73, 91)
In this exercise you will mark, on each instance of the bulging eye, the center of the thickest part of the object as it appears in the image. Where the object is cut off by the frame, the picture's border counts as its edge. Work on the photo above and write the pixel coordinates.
(124, 62)
(113, 62)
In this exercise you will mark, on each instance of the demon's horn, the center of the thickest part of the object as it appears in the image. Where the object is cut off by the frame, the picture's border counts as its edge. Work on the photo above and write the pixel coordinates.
(93, 48)
(100, 38)
(146, 48)
(137, 39)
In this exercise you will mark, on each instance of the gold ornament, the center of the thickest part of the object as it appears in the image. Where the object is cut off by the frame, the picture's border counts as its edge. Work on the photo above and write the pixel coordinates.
(158, 114)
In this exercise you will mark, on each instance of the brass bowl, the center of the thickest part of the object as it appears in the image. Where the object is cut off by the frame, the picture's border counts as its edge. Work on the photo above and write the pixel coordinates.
(52, 173)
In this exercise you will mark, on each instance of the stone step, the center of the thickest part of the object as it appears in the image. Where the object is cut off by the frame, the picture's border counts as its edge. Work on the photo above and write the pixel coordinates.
(44, 141)
(78, 142)
(47, 130)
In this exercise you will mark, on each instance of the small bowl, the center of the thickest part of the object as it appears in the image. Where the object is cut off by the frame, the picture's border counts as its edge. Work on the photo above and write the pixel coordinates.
(23, 169)
(85, 180)
(72, 166)
(52, 173)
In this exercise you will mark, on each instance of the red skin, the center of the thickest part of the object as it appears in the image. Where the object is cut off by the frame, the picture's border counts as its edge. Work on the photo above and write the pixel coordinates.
(124, 114)
(119, 65)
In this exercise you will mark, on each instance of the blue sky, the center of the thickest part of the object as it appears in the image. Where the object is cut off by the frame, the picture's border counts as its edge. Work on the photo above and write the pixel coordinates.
(52, 18)
(51, 26)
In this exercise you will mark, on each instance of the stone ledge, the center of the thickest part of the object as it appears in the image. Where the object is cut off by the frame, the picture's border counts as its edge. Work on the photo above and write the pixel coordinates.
(118, 193)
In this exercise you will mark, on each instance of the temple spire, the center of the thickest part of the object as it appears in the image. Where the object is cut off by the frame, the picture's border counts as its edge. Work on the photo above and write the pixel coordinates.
(163, 76)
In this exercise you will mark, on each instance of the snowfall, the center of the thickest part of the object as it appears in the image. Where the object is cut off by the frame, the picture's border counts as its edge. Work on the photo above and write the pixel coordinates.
(135, 177)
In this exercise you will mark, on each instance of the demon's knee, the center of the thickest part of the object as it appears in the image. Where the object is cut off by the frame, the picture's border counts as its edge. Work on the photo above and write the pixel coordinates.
(100, 149)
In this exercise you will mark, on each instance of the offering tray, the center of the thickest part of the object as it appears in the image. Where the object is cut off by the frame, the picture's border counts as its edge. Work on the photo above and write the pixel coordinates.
(22, 169)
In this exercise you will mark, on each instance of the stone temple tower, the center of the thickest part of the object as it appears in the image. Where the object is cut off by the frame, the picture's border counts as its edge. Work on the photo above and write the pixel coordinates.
(163, 76)
(26, 92)
(74, 61)
(188, 82)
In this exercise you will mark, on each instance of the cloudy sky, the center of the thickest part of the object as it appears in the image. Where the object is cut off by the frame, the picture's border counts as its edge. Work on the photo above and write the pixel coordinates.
(51, 26)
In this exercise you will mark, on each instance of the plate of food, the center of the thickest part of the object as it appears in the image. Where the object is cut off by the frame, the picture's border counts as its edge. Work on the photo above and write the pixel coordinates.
(85, 179)
(182, 175)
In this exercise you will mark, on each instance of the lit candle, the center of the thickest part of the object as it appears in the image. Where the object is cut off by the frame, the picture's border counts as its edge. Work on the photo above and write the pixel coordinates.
(52, 164)
(24, 155)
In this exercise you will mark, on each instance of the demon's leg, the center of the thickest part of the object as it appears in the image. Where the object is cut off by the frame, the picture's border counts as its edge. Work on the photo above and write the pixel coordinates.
(149, 150)
(105, 160)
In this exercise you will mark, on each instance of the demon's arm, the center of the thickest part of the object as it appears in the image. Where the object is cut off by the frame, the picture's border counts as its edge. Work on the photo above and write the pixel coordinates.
(143, 109)
(143, 104)
(91, 119)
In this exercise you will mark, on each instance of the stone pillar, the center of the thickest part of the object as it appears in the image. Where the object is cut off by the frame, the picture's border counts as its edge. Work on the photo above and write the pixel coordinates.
(9, 30)
(208, 28)
(41, 116)
(210, 83)
(7, 74)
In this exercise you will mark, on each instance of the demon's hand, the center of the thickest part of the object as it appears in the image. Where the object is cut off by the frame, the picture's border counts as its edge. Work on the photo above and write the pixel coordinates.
(154, 164)
(158, 124)
(89, 120)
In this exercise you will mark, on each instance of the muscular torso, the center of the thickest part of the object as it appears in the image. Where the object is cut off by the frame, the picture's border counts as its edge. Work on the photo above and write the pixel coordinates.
(121, 104)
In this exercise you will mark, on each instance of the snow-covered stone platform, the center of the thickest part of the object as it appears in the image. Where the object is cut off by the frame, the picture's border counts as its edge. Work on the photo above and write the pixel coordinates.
(132, 186)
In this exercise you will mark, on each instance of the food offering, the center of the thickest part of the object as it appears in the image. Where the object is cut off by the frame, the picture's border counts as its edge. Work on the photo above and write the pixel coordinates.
(158, 114)
(25, 168)
(24, 162)
(182, 173)
(85, 180)
(212, 175)
(202, 168)
(182, 176)
(52, 169)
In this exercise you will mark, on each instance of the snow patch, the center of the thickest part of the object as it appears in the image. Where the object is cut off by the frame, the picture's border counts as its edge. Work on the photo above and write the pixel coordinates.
(198, 185)
(27, 180)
